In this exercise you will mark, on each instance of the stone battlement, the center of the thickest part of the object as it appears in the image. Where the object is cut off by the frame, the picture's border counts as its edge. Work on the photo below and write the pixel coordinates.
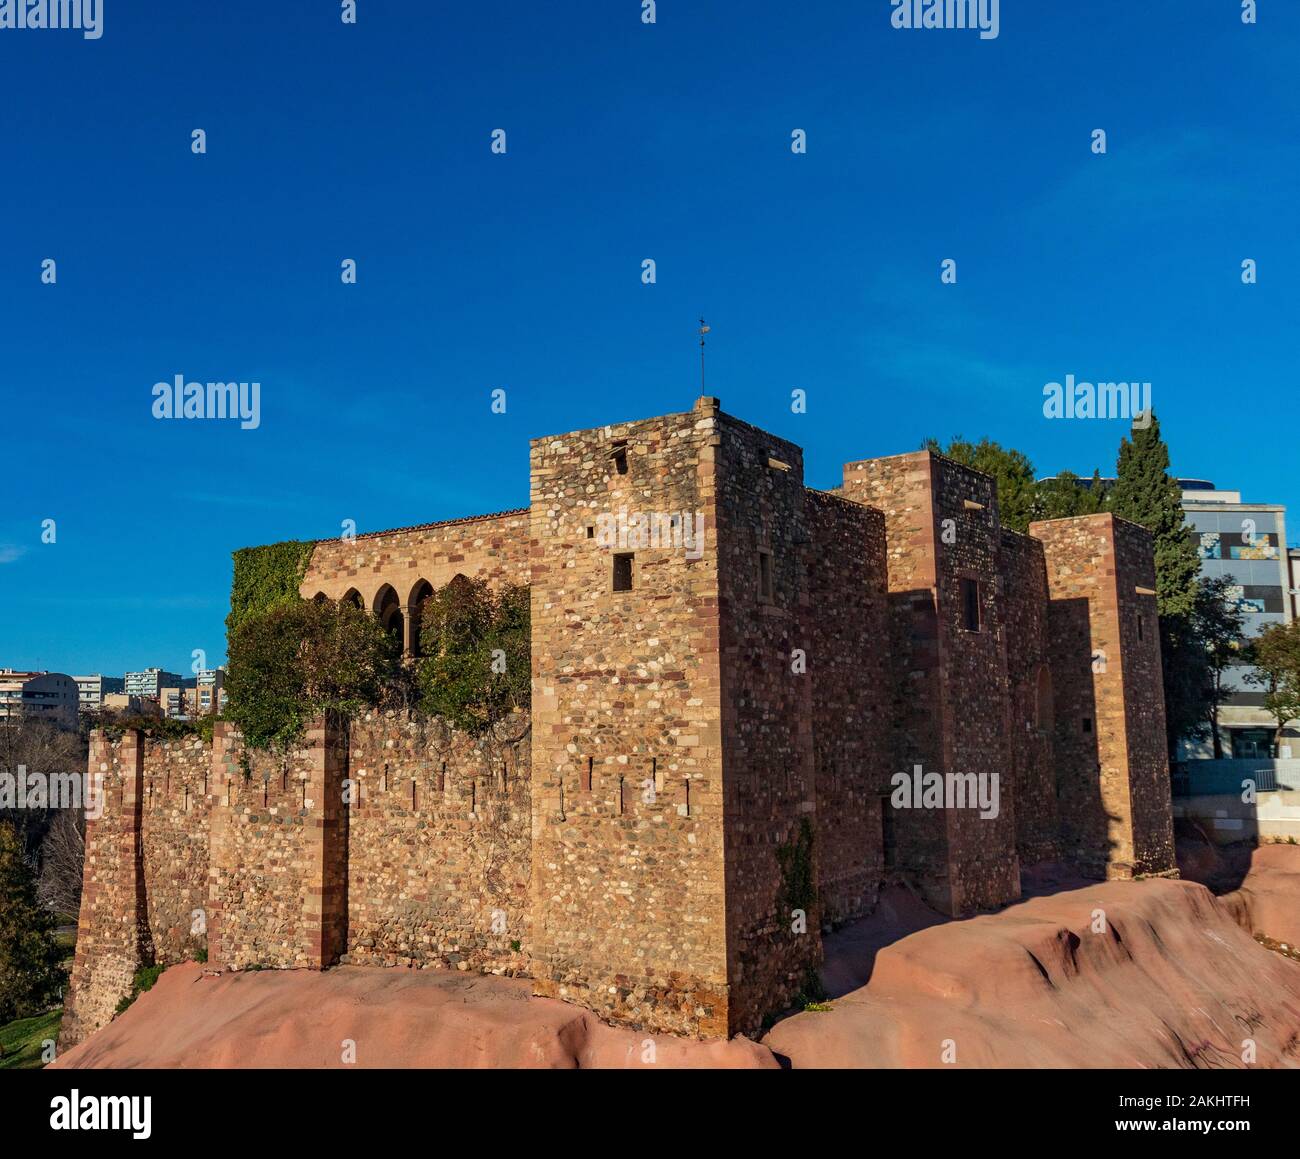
(708, 776)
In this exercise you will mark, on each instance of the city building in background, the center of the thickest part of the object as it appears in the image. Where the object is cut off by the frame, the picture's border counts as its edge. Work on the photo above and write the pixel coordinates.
(211, 691)
(1293, 557)
(48, 696)
(151, 682)
(120, 702)
(194, 697)
(91, 690)
(1246, 542)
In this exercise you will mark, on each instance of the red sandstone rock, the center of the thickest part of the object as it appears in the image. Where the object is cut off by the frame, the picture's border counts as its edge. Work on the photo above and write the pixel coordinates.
(1173, 981)
(1271, 892)
(396, 1017)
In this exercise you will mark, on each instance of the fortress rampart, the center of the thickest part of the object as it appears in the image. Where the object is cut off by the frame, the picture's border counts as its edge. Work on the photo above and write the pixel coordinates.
(705, 780)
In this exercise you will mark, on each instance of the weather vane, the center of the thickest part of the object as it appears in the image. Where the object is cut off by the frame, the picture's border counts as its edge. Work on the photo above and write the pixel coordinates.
(704, 329)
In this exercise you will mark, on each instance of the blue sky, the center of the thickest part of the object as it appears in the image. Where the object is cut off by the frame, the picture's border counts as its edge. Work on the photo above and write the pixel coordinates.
(523, 272)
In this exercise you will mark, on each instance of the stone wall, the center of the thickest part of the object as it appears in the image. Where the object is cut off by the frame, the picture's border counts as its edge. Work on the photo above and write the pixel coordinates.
(950, 685)
(1032, 780)
(847, 625)
(174, 836)
(263, 862)
(412, 560)
(439, 842)
(769, 800)
(112, 930)
(1109, 741)
(901, 488)
(627, 793)
(705, 780)
(1147, 750)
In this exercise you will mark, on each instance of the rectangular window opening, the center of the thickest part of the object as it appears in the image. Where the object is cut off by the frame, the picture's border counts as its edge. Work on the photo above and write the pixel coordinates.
(970, 604)
(619, 457)
(764, 574)
(623, 572)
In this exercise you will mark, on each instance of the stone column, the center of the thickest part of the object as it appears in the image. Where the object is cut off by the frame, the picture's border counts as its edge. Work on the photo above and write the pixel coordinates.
(112, 927)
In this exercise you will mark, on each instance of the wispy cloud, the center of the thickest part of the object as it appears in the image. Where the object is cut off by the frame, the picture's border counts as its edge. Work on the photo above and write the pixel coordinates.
(1139, 179)
(10, 552)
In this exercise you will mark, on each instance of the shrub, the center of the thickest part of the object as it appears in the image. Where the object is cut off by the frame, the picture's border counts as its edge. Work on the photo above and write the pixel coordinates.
(477, 656)
(295, 662)
(144, 980)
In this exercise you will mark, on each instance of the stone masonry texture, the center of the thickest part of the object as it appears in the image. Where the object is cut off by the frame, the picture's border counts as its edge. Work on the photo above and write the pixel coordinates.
(732, 676)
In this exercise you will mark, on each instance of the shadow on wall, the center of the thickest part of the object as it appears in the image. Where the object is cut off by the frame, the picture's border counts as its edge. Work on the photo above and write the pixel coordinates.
(1088, 823)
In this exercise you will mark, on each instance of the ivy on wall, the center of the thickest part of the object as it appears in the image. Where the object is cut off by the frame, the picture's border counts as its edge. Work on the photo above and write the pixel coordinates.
(266, 577)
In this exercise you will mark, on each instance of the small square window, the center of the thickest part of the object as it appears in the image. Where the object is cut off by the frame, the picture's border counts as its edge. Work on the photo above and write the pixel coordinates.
(970, 605)
(591, 532)
(623, 572)
(1087, 724)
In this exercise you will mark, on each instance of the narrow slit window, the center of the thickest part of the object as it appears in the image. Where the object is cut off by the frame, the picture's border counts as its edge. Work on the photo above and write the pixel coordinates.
(764, 574)
(619, 458)
(623, 572)
(586, 776)
(1140, 627)
(1087, 724)
(970, 605)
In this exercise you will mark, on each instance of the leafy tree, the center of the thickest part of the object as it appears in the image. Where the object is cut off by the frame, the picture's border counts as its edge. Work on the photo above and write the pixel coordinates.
(1275, 654)
(1217, 622)
(30, 977)
(294, 662)
(1145, 493)
(1067, 495)
(1012, 470)
(477, 657)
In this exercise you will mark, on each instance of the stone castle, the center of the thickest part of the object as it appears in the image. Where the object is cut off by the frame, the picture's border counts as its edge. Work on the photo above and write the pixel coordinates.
(708, 777)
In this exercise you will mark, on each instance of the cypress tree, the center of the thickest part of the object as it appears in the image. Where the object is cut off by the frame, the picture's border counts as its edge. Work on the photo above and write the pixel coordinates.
(1145, 493)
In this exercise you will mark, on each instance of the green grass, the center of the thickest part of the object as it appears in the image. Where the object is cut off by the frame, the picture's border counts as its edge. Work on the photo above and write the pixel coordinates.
(22, 1040)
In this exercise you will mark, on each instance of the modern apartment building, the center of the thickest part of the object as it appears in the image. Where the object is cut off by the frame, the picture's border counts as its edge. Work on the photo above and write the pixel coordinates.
(1293, 558)
(91, 690)
(151, 682)
(48, 696)
(1247, 542)
(210, 691)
